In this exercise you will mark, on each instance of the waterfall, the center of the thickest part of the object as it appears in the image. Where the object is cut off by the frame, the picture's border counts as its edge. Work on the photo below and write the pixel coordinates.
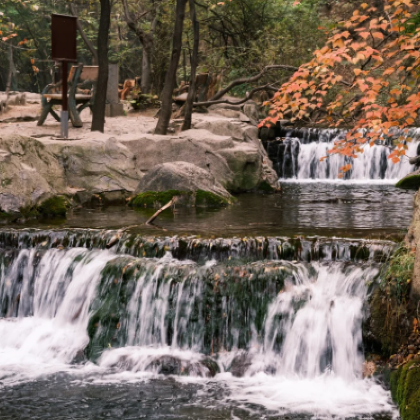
(45, 299)
(299, 155)
(281, 324)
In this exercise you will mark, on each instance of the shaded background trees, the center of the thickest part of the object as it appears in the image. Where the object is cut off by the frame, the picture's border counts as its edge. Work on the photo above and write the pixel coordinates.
(237, 38)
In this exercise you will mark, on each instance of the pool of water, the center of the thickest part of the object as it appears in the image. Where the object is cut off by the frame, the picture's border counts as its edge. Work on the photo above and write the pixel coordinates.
(60, 397)
(313, 208)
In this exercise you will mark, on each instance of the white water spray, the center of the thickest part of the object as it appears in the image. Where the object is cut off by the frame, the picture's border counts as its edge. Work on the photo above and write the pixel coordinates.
(308, 360)
(371, 164)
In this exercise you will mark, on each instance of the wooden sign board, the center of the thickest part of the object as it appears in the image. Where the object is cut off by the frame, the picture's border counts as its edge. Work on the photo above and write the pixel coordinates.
(63, 38)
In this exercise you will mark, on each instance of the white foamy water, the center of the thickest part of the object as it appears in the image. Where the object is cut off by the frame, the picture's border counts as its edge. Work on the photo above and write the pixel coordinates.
(325, 397)
(47, 323)
(319, 366)
(370, 165)
(307, 360)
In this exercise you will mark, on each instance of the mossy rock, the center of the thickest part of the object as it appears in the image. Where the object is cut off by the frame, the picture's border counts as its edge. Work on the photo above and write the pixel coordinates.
(265, 187)
(390, 307)
(405, 389)
(55, 207)
(197, 198)
(209, 199)
(8, 217)
(156, 198)
(410, 182)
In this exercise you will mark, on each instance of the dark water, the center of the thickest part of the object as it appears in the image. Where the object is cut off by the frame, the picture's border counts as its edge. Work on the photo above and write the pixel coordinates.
(59, 398)
(325, 209)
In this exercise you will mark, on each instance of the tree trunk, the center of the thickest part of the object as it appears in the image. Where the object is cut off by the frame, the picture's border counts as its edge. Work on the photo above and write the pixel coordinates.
(9, 75)
(146, 70)
(194, 63)
(98, 119)
(170, 79)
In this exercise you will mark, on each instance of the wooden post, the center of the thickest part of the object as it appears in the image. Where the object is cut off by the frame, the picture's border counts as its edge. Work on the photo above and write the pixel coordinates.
(64, 107)
(63, 49)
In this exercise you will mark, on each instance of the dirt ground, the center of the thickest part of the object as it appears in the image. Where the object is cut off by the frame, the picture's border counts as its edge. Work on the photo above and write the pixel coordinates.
(23, 120)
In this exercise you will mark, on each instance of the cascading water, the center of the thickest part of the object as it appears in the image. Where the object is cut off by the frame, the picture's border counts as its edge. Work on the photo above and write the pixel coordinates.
(299, 155)
(45, 299)
(286, 335)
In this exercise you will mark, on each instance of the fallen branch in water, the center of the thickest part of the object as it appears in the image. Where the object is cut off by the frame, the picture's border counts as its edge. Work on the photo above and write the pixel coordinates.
(115, 239)
(166, 206)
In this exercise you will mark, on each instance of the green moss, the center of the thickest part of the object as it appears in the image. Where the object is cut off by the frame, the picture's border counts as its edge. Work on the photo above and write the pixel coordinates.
(399, 272)
(53, 207)
(405, 389)
(208, 199)
(29, 212)
(390, 305)
(264, 186)
(155, 198)
(411, 182)
(7, 216)
(159, 198)
(5, 182)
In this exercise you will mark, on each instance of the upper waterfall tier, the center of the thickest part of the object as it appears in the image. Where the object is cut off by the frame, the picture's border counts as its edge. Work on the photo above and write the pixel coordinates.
(298, 152)
(200, 249)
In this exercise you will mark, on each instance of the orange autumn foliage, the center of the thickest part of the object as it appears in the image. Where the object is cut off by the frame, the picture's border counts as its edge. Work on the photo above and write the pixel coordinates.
(366, 76)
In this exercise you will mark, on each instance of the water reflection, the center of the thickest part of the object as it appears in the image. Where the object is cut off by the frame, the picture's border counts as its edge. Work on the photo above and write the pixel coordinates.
(328, 209)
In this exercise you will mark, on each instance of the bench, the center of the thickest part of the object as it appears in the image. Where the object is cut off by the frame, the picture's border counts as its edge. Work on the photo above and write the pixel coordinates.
(79, 76)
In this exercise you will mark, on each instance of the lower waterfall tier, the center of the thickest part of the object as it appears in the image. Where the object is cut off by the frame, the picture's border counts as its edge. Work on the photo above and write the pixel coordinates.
(283, 335)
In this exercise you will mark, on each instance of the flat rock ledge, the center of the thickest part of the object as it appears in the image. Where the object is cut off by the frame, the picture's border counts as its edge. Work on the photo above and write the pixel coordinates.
(224, 153)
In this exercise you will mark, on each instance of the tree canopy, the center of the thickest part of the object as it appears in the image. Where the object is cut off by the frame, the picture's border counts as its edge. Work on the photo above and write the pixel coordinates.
(237, 39)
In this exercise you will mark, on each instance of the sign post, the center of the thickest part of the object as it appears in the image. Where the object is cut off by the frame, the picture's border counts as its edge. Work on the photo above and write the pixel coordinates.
(63, 49)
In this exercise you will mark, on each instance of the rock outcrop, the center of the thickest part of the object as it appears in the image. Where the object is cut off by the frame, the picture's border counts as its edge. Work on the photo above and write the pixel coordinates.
(229, 149)
(97, 165)
(32, 170)
(413, 242)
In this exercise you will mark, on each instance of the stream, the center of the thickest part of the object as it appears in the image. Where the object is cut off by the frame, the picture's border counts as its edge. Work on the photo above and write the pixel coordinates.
(249, 312)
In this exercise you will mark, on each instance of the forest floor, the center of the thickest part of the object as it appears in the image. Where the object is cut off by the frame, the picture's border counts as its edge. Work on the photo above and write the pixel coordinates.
(23, 120)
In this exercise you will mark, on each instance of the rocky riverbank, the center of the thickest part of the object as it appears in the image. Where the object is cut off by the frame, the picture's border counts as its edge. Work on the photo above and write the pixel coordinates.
(36, 165)
(394, 321)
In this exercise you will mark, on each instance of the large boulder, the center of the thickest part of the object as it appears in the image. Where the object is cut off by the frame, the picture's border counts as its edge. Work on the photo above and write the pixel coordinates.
(107, 169)
(33, 170)
(229, 149)
(193, 186)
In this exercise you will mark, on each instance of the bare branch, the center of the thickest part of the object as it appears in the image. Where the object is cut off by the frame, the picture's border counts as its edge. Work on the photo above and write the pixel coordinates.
(166, 206)
(143, 36)
(86, 40)
(251, 79)
(240, 102)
